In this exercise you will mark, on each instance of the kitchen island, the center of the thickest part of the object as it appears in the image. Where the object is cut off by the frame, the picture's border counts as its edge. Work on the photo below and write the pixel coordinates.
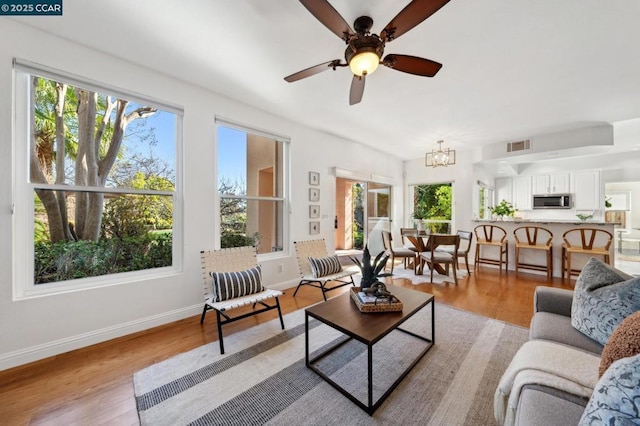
(557, 228)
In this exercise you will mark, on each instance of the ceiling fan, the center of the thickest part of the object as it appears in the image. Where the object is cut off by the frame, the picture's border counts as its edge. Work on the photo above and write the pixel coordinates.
(364, 50)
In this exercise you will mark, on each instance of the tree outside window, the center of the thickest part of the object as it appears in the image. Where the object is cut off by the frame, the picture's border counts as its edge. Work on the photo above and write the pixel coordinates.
(435, 201)
(102, 171)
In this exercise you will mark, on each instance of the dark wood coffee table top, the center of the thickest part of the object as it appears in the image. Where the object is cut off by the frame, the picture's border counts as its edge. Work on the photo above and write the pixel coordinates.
(342, 313)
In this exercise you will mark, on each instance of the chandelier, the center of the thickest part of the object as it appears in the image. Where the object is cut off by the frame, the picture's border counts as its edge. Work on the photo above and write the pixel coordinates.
(440, 157)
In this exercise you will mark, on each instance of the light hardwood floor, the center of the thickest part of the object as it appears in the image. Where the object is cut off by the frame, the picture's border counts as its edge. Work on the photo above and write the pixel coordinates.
(93, 385)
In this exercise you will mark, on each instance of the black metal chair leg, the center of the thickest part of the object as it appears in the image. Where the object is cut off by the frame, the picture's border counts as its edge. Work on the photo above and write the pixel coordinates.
(204, 312)
(280, 313)
(297, 288)
(220, 332)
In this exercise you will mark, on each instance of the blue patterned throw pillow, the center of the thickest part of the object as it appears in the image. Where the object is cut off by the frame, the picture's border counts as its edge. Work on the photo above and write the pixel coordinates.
(229, 285)
(323, 266)
(602, 298)
(616, 397)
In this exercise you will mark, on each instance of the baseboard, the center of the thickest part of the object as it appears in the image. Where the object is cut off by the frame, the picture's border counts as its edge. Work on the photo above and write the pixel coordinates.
(285, 285)
(38, 352)
(46, 350)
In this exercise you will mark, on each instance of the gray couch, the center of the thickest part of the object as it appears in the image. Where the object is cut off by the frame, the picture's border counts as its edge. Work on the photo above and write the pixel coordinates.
(541, 405)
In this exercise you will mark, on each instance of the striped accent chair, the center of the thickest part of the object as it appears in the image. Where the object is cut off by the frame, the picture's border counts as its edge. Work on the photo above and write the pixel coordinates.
(231, 279)
(315, 252)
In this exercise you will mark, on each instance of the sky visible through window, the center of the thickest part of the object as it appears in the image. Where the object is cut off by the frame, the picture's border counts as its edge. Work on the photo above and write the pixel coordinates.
(164, 125)
(232, 154)
(232, 147)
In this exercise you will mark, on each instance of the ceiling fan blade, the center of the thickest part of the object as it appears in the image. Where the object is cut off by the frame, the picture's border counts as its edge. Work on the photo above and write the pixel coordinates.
(357, 90)
(312, 70)
(414, 13)
(329, 17)
(412, 65)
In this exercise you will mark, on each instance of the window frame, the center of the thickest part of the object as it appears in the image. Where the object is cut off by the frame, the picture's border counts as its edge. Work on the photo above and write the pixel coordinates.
(286, 185)
(22, 206)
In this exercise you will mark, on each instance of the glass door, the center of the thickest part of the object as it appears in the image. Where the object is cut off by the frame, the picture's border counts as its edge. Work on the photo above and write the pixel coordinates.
(363, 210)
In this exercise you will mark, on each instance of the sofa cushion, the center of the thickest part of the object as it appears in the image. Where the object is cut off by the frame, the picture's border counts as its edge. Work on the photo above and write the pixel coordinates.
(602, 299)
(323, 266)
(624, 342)
(557, 328)
(616, 397)
(229, 285)
(542, 405)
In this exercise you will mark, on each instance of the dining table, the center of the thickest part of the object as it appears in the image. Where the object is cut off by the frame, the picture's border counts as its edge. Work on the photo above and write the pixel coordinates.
(419, 243)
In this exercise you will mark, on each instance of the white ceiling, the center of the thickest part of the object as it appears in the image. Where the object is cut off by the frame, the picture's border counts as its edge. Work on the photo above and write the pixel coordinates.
(512, 69)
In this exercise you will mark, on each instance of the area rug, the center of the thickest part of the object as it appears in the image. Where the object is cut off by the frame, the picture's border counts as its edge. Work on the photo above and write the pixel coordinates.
(400, 272)
(263, 379)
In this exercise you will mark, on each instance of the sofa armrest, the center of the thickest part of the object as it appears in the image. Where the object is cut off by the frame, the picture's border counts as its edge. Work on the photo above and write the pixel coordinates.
(554, 300)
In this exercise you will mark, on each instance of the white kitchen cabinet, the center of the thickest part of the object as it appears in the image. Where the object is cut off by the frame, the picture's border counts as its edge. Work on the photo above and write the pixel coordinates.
(586, 190)
(522, 193)
(504, 190)
(557, 183)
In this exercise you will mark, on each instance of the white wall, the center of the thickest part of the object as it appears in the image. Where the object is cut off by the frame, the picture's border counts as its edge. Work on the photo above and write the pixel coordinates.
(36, 328)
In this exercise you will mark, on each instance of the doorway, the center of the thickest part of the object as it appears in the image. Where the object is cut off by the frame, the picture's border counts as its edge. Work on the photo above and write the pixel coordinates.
(363, 210)
(622, 208)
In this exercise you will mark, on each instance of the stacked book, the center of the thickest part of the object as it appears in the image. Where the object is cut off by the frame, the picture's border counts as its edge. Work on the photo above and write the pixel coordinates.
(373, 300)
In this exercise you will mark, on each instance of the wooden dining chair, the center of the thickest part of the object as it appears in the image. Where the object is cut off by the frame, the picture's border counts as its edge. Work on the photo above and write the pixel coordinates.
(538, 239)
(435, 258)
(492, 236)
(584, 241)
(466, 240)
(397, 252)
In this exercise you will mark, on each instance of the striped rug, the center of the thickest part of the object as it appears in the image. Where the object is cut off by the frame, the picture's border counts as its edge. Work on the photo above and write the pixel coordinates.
(263, 378)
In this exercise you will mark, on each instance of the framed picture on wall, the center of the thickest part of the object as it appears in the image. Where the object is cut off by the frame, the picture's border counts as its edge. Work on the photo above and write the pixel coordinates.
(314, 194)
(314, 178)
(314, 228)
(314, 211)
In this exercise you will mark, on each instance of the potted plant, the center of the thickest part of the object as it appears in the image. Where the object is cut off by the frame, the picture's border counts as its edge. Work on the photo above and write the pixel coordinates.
(504, 208)
(419, 214)
(371, 269)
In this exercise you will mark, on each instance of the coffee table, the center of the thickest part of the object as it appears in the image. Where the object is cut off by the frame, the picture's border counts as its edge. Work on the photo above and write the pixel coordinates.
(343, 315)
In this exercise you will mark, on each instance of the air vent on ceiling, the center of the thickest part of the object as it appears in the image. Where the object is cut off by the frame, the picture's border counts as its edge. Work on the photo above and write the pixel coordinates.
(519, 145)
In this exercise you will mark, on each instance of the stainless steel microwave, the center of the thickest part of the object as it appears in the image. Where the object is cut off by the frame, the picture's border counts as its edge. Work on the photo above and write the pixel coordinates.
(552, 201)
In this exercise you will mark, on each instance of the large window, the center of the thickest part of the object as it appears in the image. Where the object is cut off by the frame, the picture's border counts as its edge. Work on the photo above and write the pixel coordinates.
(96, 182)
(252, 177)
(432, 206)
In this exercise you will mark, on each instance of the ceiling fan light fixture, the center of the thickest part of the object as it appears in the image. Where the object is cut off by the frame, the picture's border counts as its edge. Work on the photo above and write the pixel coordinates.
(440, 157)
(364, 63)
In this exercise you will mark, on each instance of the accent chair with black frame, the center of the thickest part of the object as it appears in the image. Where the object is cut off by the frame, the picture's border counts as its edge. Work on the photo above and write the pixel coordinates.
(318, 268)
(232, 278)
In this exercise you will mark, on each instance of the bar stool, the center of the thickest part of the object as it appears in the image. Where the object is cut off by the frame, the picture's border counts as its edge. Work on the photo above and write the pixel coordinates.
(588, 241)
(534, 238)
(492, 236)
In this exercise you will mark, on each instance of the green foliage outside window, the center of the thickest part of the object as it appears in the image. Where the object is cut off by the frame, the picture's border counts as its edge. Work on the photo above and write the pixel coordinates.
(79, 234)
(433, 203)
